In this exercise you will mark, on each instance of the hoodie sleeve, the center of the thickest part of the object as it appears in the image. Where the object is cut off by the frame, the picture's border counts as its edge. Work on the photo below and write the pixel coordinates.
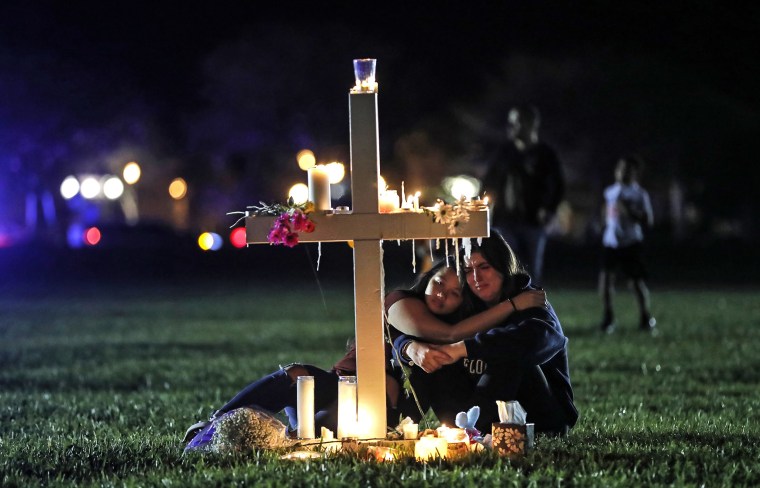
(531, 337)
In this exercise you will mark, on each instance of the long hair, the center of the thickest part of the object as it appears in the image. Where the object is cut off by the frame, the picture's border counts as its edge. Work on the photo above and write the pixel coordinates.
(421, 283)
(497, 252)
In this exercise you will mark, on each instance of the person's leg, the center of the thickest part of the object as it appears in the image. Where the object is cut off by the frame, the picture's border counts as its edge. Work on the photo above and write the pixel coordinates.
(642, 297)
(451, 390)
(511, 381)
(634, 267)
(534, 244)
(271, 393)
(606, 289)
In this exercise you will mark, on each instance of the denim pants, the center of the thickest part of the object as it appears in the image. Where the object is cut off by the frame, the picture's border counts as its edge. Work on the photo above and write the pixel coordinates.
(277, 392)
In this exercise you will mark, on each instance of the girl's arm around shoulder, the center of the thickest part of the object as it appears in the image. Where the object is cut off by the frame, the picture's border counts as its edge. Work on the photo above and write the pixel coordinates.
(411, 316)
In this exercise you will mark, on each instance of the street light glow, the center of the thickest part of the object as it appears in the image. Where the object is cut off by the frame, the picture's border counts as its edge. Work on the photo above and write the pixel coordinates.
(69, 187)
(132, 173)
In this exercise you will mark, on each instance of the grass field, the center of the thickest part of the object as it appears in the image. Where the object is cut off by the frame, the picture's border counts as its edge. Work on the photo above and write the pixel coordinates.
(97, 385)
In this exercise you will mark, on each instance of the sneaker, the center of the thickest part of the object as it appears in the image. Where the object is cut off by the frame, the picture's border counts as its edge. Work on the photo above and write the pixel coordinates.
(194, 429)
(648, 323)
(608, 326)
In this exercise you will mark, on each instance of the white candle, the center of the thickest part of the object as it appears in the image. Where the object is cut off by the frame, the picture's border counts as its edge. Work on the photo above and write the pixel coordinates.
(346, 406)
(319, 187)
(416, 201)
(410, 431)
(430, 447)
(305, 411)
(327, 434)
(388, 201)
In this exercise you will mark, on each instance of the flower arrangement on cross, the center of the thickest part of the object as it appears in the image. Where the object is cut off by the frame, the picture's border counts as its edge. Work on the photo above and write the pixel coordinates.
(292, 218)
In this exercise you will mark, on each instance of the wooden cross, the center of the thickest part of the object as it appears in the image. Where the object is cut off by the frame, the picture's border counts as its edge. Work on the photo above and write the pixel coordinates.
(368, 228)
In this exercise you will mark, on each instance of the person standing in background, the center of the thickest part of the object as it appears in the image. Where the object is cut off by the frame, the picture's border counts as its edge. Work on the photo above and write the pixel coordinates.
(525, 184)
(627, 210)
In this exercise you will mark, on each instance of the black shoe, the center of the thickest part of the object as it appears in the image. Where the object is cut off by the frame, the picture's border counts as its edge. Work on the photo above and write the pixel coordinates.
(648, 323)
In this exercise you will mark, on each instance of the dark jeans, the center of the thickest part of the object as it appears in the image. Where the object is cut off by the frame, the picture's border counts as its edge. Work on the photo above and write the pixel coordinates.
(277, 392)
(451, 390)
(528, 243)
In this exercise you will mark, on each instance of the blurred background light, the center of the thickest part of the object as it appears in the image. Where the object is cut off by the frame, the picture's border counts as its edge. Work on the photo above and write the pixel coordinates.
(92, 236)
(69, 187)
(113, 188)
(210, 241)
(75, 236)
(131, 173)
(90, 187)
(306, 159)
(237, 237)
(178, 188)
(299, 193)
(462, 185)
(335, 172)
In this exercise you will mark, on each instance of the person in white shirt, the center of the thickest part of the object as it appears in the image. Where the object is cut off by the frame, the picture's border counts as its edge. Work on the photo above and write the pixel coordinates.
(627, 211)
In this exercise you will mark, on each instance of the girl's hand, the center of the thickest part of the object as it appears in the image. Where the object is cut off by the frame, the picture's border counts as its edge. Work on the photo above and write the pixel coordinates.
(427, 357)
(530, 299)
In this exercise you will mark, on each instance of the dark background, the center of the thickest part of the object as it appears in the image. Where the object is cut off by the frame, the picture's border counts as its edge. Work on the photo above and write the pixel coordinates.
(225, 94)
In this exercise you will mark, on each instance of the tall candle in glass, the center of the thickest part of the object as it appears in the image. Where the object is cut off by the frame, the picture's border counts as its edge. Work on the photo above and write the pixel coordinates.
(305, 404)
(319, 187)
(346, 406)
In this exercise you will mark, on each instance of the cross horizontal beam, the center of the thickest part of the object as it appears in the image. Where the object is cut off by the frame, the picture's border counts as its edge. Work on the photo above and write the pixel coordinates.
(385, 226)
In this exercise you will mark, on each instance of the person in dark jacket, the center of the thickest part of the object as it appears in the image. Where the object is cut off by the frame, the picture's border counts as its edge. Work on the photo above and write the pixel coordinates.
(525, 358)
(525, 183)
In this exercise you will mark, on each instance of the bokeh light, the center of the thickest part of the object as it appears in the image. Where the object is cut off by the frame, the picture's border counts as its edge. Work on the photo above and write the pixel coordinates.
(237, 237)
(299, 193)
(210, 241)
(92, 236)
(69, 187)
(90, 187)
(306, 159)
(462, 185)
(113, 188)
(335, 172)
(131, 173)
(178, 188)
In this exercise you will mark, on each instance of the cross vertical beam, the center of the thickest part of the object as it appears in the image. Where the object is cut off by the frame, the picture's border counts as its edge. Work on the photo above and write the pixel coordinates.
(368, 265)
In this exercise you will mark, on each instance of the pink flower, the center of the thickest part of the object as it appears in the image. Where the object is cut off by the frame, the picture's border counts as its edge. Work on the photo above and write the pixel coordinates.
(308, 226)
(299, 221)
(286, 227)
(291, 239)
(278, 234)
(283, 220)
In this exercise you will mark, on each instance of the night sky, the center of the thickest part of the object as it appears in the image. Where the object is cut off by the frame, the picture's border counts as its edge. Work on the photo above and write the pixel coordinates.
(214, 89)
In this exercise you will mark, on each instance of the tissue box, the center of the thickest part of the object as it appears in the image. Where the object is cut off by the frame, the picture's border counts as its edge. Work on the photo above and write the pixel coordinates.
(512, 440)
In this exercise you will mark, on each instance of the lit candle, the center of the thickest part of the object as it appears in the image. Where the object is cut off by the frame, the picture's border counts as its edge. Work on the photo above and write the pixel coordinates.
(326, 434)
(453, 434)
(416, 201)
(430, 447)
(389, 201)
(410, 431)
(346, 406)
(319, 187)
(305, 411)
